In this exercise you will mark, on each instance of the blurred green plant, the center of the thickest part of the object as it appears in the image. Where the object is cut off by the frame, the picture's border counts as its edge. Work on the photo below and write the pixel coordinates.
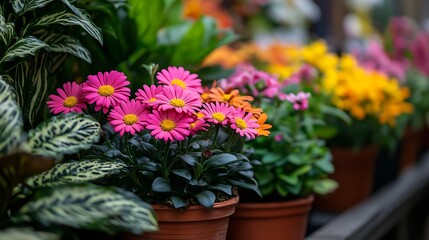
(138, 32)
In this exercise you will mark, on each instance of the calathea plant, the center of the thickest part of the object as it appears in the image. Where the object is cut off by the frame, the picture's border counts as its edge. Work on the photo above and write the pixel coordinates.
(36, 37)
(63, 195)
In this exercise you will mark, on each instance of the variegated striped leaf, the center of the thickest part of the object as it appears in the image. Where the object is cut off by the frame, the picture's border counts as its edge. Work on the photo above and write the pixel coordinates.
(31, 85)
(79, 12)
(31, 5)
(27, 234)
(67, 44)
(69, 19)
(64, 134)
(75, 172)
(90, 207)
(11, 124)
(22, 48)
(6, 33)
(18, 5)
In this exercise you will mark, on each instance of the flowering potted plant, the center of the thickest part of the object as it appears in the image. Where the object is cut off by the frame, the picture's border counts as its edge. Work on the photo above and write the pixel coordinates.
(177, 146)
(291, 164)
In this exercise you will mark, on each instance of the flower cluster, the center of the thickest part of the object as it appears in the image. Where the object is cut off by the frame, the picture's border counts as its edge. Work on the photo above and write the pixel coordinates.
(173, 110)
(293, 143)
(169, 129)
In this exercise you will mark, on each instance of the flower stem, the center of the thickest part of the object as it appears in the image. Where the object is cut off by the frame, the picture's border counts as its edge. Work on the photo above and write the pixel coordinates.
(215, 137)
(164, 166)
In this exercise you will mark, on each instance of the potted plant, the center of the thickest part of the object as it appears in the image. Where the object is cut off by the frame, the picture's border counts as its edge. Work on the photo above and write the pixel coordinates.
(290, 164)
(177, 150)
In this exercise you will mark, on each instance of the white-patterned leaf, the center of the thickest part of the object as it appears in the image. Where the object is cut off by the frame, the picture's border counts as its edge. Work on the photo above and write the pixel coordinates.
(18, 5)
(91, 207)
(70, 19)
(6, 33)
(72, 46)
(64, 134)
(27, 234)
(11, 124)
(75, 172)
(31, 5)
(22, 48)
(31, 84)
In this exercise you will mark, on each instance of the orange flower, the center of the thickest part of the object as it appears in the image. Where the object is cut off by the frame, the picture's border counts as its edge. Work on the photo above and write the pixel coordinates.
(249, 108)
(233, 97)
(263, 127)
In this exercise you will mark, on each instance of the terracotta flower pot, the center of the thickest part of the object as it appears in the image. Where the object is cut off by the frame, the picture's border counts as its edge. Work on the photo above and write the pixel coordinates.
(410, 148)
(195, 222)
(354, 172)
(271, 220)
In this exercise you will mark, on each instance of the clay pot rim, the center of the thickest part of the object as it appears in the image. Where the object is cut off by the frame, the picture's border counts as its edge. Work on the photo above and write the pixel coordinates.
(280, 204)
(232, 201)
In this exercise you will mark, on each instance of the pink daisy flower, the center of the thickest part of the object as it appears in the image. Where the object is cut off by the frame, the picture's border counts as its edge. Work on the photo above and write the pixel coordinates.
(199, 125)
(147, 95)
(180, 77)
(70, 99)
(174, 97)
(244, 124)
(106, 89)
(217, 113)
(169, 125)
(128, 116)
(299, 101)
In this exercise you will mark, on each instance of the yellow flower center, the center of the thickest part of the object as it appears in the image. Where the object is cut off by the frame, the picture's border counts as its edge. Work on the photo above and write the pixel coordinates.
(199, 114)
(106, 90)
(192, 125)
(70, 102)
(177, 102)
(226, 97)
(218, 116)
(241, 123)
(130, 119)
(152, 100)
(168, 125)
(178, 82)
(205, 97)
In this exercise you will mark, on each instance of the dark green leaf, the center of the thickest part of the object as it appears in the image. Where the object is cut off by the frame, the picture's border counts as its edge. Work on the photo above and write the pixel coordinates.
(206, 198)
(178, 202)
(184, 173)
(224, 188)
(219, 160)
(161, 185)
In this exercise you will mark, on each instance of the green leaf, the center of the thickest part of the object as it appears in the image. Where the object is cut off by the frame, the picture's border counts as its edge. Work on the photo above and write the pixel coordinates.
(30, 5)
(336, 112)
(188, 159)
(27, 234)
(6, 33)
(224, 188)
(325, 186)
(251, 186)
(289, 179)
(206, 198)
(281, 189)
(302, 170)
(11, 124)
(90, 207)
(18, 5)
(75, 172)
(270, 158)
(184, 173)
(69, 19)
(161, 185)
(220, 160)
(64, 134)
(24, 47)
(70, 45)
(178, 202)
